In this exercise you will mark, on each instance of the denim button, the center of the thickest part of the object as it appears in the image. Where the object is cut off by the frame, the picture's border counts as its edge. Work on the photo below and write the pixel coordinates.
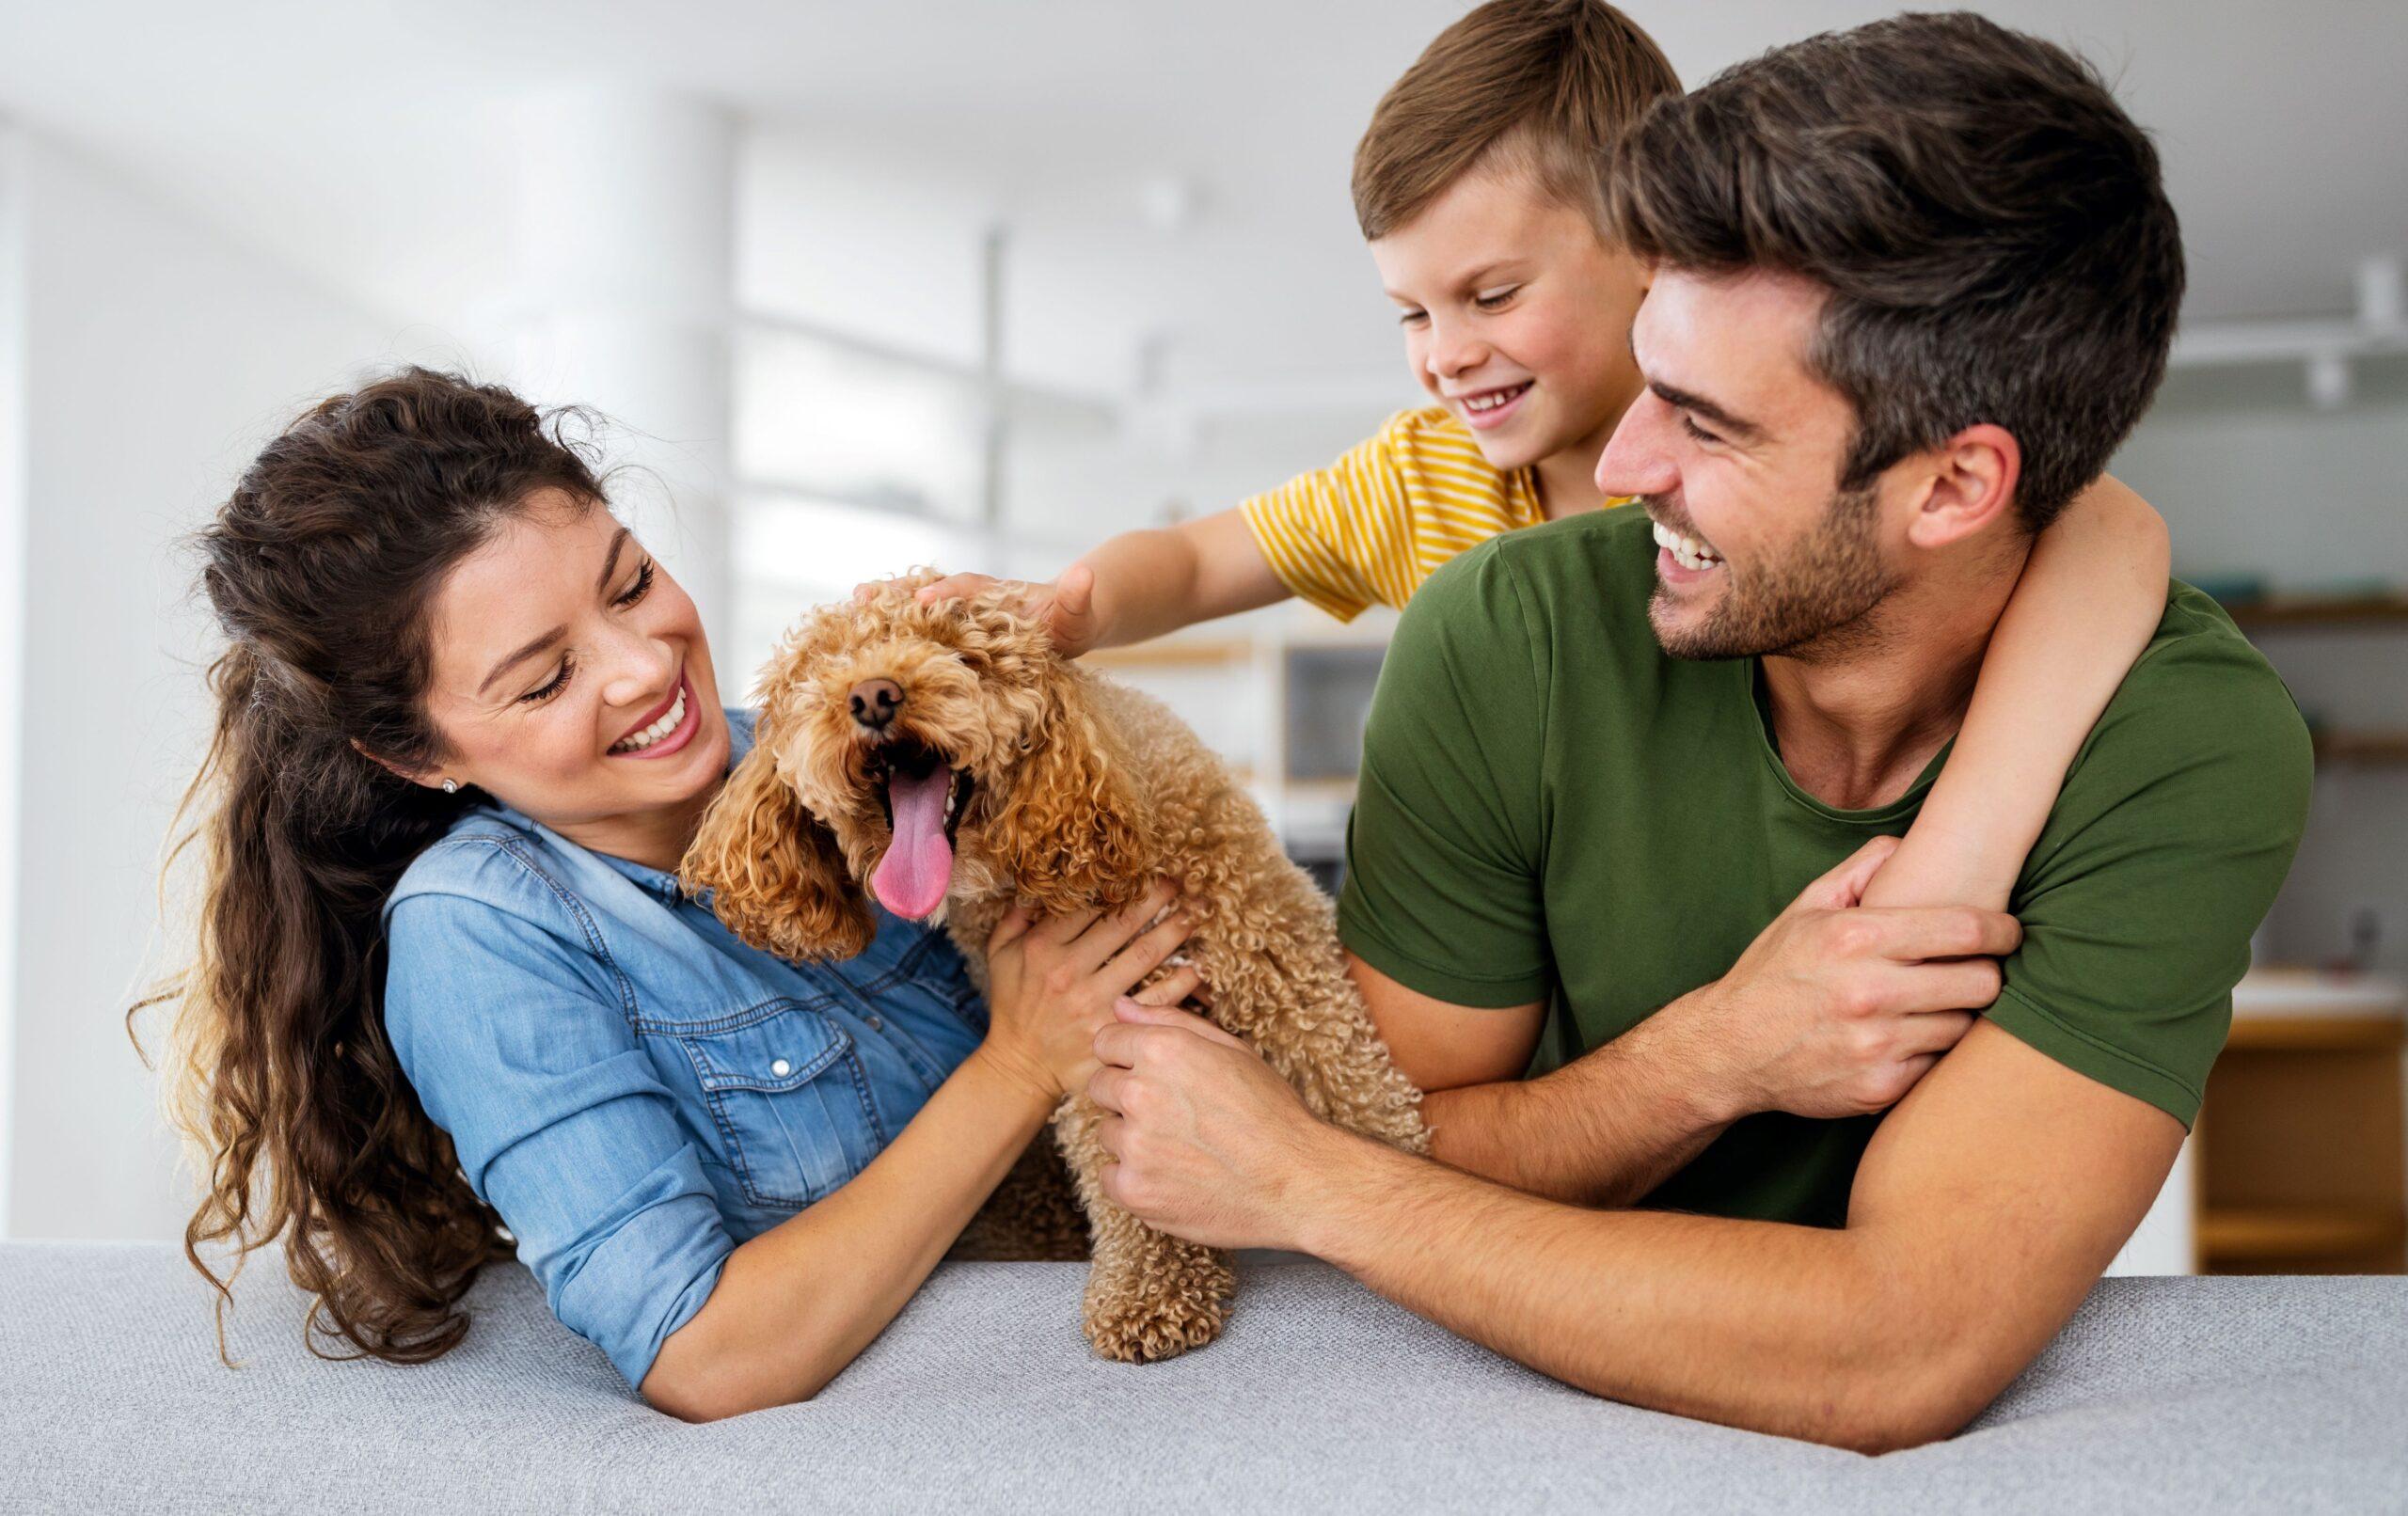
(781, 1069)
(877, 1025)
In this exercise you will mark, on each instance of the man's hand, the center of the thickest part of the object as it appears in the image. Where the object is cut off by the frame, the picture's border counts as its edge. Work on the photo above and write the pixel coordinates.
(1065, 607)
(1837, 1009)
(1209, 1145)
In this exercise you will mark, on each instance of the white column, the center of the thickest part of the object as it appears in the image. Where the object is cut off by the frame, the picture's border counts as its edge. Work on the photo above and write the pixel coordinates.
(621, 301)
(2166, 1242)
(13, 510)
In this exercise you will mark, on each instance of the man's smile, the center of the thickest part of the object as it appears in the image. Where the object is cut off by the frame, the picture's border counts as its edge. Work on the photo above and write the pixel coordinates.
(1682, 559)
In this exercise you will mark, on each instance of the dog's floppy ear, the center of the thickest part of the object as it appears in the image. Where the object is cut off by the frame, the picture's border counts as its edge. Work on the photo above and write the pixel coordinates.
(1073, 836)
(778, 878)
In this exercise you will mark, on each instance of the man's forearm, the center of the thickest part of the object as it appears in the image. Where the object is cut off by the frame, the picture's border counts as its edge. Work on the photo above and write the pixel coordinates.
(1603, 1130)
(1776, 1328)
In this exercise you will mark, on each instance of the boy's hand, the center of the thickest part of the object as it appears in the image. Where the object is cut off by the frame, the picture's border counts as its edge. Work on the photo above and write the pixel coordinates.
(1837, 1008)
(1065, 607)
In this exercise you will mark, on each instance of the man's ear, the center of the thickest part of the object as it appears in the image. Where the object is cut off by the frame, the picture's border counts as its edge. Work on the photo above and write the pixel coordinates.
(1971, 486)
(777, 878)
(1073, 836)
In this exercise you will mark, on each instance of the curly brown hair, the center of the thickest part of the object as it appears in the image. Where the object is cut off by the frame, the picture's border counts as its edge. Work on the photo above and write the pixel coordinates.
(321, 568)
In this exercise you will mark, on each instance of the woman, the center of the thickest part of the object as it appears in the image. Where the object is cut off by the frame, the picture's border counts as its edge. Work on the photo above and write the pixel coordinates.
(445, 983)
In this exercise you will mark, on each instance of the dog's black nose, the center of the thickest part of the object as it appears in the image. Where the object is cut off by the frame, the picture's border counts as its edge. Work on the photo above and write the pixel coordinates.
(874, 702)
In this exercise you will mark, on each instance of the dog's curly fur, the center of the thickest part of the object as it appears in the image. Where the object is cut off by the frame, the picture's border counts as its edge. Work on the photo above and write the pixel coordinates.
(1083, 792)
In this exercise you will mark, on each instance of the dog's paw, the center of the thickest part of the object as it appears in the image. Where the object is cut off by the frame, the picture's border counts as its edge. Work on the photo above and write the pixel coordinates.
(1146, 1329)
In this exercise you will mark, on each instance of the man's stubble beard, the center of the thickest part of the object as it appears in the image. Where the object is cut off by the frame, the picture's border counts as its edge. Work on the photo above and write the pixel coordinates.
(1815, 604)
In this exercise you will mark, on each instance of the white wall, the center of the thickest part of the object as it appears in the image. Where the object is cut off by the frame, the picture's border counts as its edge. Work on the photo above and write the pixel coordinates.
(12, 584)
(2252, 478)
(153, 358)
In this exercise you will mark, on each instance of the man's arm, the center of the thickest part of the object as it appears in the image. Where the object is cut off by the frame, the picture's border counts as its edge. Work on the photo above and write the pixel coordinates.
(1603, 1130)
(1985, 1209)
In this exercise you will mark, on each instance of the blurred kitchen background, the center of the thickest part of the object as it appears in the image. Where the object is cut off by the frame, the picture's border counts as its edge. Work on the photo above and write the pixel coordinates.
(861, 287)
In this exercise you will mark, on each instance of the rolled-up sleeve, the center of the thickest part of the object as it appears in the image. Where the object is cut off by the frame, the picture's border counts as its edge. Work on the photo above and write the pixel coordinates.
(517, 1047)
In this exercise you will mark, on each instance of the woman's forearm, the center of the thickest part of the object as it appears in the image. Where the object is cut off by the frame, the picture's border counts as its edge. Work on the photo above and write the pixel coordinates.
(797, 1303)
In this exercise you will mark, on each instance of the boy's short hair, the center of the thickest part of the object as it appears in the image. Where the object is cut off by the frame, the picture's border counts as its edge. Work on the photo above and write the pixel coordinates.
(1546, 86)
(1991, 225)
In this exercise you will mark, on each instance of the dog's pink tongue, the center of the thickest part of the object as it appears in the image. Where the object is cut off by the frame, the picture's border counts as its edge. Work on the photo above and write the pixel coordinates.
(912, 876)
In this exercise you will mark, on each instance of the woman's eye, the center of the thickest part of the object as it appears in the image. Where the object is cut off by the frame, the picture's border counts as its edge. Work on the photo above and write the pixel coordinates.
(560, 682)
(643, 585)
(568, 665)
(1409, 317)
(1690, 425)
(1494, 299)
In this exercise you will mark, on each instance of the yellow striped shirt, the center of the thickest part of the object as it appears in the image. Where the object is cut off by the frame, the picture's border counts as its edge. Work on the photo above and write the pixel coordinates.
(1376, 524)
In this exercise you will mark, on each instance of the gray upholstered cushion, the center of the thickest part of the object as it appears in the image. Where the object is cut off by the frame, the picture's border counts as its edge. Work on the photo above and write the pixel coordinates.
(2163, 1395)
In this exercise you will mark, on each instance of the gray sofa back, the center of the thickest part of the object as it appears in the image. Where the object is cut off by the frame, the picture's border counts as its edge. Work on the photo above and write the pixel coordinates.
(2172, 1395)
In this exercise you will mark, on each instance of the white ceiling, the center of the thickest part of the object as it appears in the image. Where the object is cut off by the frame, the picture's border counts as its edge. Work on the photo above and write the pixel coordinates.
(366, 144)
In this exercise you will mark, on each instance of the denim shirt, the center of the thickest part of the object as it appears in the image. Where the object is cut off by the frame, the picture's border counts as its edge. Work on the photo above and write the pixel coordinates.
(630, 1087)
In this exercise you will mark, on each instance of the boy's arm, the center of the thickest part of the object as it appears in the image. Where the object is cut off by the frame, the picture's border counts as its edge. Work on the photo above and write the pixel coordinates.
(1834, 1011)
(2090, 597)
(1327, 524)
(1152, 582)
(1144, 584)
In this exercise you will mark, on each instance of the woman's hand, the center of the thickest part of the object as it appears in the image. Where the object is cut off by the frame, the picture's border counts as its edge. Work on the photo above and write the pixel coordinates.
(1050, 983)
(797, 1303)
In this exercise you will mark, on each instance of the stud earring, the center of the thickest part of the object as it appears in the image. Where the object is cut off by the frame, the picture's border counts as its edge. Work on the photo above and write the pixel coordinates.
(451, 786)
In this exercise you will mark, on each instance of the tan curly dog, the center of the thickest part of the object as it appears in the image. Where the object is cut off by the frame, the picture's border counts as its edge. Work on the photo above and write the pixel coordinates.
(946, 758)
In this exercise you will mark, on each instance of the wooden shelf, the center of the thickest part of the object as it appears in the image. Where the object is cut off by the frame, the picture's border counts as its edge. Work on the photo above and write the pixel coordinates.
(2301, 1161)
(1322, 789)
(2256, 1234)
(2373, 611)
(1189, 652)
(2313, 1033)
(2361, 747)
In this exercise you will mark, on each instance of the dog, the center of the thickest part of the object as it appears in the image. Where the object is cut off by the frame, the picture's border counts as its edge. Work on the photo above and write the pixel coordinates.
(943, 758)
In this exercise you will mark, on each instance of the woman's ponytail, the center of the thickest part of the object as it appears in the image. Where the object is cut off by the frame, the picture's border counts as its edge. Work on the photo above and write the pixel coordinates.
(321, 568)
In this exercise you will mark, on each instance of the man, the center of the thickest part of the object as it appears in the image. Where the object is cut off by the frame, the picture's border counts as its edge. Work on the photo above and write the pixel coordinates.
(1913, 285)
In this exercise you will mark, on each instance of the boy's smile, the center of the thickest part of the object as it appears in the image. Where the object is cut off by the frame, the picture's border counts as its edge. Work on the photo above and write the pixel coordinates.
(1511, 306)
(1485, 410)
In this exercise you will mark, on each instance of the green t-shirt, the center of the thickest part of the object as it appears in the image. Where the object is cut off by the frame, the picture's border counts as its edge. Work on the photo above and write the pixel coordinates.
(1552, 808)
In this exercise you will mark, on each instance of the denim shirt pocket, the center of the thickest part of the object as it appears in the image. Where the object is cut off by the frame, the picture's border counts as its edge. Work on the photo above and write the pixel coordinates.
(790, 1097)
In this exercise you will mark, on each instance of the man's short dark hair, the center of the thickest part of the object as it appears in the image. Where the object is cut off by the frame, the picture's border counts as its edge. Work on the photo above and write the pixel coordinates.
(1991, 225)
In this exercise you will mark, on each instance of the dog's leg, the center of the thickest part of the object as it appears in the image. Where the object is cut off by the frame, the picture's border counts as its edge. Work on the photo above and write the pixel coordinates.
(1298, 1008)
(1150, 1295)
(1345, 1075)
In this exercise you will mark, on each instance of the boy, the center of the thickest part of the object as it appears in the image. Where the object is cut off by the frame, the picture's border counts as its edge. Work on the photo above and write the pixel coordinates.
(1476, 188)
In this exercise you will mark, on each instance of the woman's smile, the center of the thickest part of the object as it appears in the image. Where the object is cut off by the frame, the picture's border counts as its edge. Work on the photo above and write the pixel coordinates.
(668, 727)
